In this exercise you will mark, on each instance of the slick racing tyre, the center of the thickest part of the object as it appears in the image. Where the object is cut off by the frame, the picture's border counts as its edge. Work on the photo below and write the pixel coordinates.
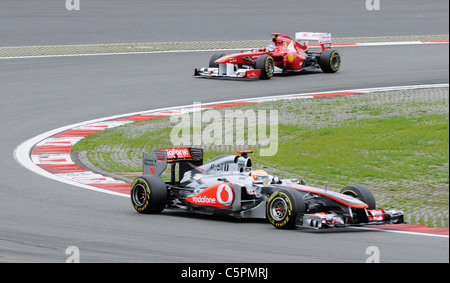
(149, 194)
(330, 61)
(214, 57)
(362, 193)
(265, 64)
(283, 207)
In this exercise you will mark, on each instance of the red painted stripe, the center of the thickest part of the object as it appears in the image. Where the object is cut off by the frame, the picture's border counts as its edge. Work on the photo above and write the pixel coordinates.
(230, 104)
(61, 168)
(335, 94)
(49, 149)
(435, 41)
(75, 133)
(114, 187)
(414, 228)
(53, 160)
(57, 142)
(98, 126)
(138, 118)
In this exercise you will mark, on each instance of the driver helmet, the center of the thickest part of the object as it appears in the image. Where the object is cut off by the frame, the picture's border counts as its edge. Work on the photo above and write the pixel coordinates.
(270, 48)
(260, 176)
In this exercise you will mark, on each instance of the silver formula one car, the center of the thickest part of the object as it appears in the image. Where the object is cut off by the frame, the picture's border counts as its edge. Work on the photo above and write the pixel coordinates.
(229, 185)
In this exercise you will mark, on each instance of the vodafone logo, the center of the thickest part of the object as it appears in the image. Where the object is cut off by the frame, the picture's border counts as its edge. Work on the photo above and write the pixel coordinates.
(219, 195)
(224, 195)
(177, 153)
(203, 199)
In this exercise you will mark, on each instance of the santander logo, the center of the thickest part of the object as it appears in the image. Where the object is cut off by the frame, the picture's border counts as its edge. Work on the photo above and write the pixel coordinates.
(219, 195)
(225, 195)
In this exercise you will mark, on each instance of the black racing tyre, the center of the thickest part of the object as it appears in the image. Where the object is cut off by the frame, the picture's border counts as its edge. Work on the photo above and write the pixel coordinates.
(330, 61)
(149, 194)
(283, 208)
(212, 63)
(266, 65)
(362, 193)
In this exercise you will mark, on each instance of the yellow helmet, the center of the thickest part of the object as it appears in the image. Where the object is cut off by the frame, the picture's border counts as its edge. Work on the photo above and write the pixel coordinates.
(260, 176)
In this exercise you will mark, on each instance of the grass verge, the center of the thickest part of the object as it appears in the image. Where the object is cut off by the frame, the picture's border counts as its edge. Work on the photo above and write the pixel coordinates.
(396, 143)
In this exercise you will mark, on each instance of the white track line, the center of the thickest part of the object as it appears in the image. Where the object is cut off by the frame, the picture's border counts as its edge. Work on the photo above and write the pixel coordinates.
(234, 49)
(399, 232)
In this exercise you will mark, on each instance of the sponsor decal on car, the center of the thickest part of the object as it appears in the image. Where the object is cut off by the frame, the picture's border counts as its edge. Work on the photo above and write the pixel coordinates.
(218, 195)
(178, 153)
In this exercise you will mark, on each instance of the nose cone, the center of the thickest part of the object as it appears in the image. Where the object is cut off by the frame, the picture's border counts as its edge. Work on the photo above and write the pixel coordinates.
(225, 59)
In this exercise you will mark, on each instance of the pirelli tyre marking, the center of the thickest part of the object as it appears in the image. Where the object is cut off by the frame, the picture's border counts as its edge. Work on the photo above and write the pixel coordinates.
(140, 194)
(269, 67)
(335, 61)
(280, 210)
(149, 194)
(330, 61)
(266, 65)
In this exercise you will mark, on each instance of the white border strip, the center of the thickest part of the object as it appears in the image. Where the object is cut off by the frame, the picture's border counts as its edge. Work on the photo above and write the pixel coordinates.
(233, 49)
(398, 231)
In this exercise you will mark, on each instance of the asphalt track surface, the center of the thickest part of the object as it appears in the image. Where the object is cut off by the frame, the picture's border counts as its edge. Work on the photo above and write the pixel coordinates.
(46, 22)
(40, 218)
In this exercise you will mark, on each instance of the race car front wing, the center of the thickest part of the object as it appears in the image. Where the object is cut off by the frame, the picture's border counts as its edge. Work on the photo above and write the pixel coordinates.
(331, 220)
(228, 71)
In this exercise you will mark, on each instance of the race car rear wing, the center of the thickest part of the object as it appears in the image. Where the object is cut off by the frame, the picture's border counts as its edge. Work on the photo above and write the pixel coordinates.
(324, 39)
(156, 162)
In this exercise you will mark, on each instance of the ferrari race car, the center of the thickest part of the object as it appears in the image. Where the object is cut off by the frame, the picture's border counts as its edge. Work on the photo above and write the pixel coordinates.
(228, 185)
(284, 55)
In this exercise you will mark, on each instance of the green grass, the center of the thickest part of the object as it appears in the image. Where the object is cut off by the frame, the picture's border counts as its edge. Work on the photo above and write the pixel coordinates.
(393, 149)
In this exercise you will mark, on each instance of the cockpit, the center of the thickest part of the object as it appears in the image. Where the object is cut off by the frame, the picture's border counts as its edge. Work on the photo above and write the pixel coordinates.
(270, 47)
(220, 166)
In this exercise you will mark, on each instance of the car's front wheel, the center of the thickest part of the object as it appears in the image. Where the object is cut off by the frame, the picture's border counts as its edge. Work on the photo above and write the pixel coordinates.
(283, 208)
(362, 193)
(266, 65)
(214, 57)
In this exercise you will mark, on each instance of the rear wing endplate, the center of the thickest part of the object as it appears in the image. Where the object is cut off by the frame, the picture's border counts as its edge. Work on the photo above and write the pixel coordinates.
(156, 162)
(324, 39)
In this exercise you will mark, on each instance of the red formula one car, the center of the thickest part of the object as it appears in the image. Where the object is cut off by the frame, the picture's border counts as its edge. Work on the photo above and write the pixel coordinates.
(284, 55)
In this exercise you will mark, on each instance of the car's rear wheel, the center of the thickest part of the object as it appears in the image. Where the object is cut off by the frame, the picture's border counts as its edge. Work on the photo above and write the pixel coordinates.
(149, 194)
(283, 207)
(330, 61)
(266, 65)
(362, 193)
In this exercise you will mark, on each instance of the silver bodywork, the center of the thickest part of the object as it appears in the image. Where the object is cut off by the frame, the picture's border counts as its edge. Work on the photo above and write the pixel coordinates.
(199, 189)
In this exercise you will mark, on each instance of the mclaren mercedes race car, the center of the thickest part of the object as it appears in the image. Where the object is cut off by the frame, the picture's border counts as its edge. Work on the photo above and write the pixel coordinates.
(283, 55)
(229, 185)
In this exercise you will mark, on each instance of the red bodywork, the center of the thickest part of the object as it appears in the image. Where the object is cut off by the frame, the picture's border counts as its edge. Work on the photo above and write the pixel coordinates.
(286, 53)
